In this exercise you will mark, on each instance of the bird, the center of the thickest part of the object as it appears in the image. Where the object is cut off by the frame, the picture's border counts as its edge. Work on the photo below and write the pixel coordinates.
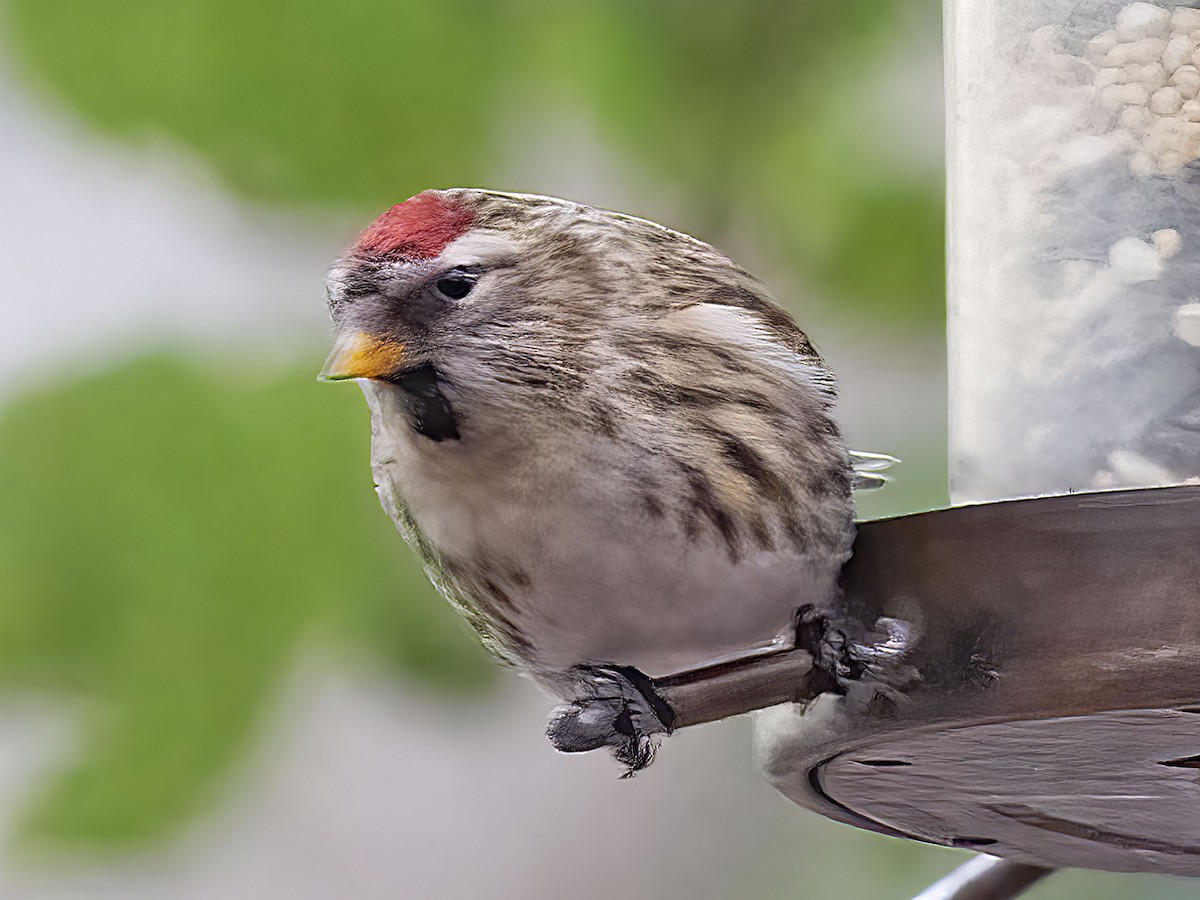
(612, 449)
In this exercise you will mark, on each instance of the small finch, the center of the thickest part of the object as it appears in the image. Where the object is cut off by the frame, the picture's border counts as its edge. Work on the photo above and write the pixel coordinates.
(613, 451)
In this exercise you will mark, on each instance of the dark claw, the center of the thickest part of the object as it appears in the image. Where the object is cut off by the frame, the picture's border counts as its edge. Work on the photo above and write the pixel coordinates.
(618, 708)
(827, 646)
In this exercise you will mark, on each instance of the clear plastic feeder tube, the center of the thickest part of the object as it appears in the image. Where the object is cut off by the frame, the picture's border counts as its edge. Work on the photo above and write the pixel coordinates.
(1074, 245)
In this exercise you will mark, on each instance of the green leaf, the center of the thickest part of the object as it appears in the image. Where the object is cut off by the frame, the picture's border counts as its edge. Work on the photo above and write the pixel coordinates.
(170, 540)
(753, 111)
(360, 101)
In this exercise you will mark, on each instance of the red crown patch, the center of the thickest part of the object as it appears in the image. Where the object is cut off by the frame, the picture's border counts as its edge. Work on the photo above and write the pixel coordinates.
(418, 228)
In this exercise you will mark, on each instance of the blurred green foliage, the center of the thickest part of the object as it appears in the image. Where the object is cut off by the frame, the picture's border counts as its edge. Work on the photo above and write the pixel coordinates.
(752, 110)
(168, 541)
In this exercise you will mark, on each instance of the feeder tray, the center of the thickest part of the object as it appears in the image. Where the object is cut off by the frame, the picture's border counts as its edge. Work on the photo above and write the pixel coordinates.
(1056, 718)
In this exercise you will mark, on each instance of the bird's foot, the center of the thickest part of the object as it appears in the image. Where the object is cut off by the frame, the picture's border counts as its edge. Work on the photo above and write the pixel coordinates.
(615, 707)
(828, 645)
(846, 661)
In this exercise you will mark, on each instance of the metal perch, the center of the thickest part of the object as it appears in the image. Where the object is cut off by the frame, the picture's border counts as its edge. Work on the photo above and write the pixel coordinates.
(1045, 706)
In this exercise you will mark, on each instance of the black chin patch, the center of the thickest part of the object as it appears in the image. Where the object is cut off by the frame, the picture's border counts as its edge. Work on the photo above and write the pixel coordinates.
(432, 414)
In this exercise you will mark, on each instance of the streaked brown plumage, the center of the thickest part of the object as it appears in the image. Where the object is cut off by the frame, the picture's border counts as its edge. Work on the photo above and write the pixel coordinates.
(606, 441)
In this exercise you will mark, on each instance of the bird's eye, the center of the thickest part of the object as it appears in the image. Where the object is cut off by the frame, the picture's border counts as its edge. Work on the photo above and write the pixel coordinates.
(455, 286)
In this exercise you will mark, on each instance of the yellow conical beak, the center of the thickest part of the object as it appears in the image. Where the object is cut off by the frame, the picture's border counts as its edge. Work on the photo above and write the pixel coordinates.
(360, 355)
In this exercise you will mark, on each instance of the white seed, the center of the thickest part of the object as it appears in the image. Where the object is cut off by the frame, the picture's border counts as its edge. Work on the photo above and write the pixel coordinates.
(1118, 95)
(1166, 102)
(1152, 76)
(1142, 164)
(1105, 77)
(1097, 48)
(1145, 51)
(1189, 142)
(1132, 260)
(1190, 111)
(1166, 125)
(1179, 51)
(1167, 241)
(1063, 68)
(1156, 145)
(1163, 135)
(1185, 20)
(1187, 323)
(1142, 20)
(1135, 118)
(1187, 81)
(1126, 141)
(1046, 40)
(1170, 162)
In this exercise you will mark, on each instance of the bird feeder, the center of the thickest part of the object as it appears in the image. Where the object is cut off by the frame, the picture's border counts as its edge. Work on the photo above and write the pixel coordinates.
(1051, 712)
(1020, 674)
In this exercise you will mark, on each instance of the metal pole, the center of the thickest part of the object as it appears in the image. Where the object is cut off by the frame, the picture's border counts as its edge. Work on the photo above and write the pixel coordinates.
(985, 878)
